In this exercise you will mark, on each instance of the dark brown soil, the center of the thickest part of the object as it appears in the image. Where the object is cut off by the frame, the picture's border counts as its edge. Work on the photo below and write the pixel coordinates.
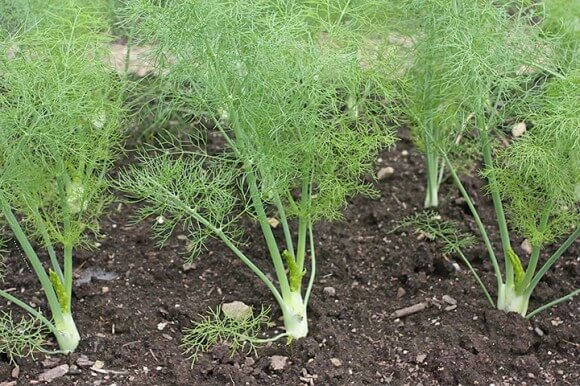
(133, 324)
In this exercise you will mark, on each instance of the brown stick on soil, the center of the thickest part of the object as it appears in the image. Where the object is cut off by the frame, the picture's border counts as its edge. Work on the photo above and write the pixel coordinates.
(400, 313)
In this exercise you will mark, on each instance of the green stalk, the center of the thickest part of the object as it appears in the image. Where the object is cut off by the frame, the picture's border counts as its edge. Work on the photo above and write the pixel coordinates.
(497, 204)
(35, 262)
(533, 263)
(312, 265)
(68, 275)
(268, 234)
(431, 196)
(285, 226)
(553, 303)
(30, 310)
(48, 244)
(552, 260)
(478, 221)
(303, 223)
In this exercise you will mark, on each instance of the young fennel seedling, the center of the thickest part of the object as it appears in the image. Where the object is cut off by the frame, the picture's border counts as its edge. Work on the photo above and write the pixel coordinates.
(279, 80)
(59, 118)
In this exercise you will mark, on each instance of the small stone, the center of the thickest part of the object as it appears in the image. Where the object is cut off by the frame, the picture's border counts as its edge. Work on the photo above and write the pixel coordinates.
(237, 310)
(421, 358)
(330, 291)
(401, 292)
(450, 308)
(50, 362)
(249, 361)
(99, 364)
(385, 172)
(52, 374)
(404, 153)
(104, 290)
(336, 362)
(161, 326)
(518, 129)
(531, 375)
(160, 220)
(8, 383)
(449, 300)
(187, 266)
(15, 372)
(527, 246)
(539, 331)
(167, 336)
(273, 222)
(84, 361)
(278, 362)
(74, 370)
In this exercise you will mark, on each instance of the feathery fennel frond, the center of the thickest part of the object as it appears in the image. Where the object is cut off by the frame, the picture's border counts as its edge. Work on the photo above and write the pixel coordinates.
(20, 338)
(218, 328)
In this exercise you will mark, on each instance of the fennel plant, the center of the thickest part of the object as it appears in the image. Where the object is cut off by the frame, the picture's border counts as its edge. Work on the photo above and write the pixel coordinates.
(285, 86)
(59, 120)
(491, 57)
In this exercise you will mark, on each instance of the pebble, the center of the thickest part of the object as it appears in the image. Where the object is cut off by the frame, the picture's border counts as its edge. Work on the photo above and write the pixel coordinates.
(237, 310)
(539, 331)
(527, 246)
(519, 129)
(385, 172)
(404, 153)
(449, 300)
(401, 292)
(15, 372)
(336, 362)
(421, 358)
(52, 374)
(273, 222)
(278, 362)
(84, 361)
(451, 308)
(330, 291)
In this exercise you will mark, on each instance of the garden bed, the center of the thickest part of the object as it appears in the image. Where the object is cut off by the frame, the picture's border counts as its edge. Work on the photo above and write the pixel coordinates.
(131, 325)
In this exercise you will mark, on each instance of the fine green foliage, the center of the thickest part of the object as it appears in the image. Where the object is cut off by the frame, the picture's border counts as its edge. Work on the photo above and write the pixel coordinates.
(298, 106)
(217, 328)
(59, 116)
(22, 338)
(491, 57)
(465, 56)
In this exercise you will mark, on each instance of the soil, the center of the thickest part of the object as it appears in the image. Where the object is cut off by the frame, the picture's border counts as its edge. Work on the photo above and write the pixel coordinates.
(133, 324)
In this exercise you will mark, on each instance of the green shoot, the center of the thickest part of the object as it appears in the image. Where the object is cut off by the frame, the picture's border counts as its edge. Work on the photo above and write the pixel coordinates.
(20, 339)
(286, 86)
(489, 59)
(218, 328)
(59, 116)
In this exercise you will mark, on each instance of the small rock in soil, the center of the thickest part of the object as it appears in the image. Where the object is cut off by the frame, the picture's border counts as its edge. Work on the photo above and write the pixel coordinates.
(273, 222)
(237, 310)
(385, 172)
(539, 331)
(50, 362)
(336, 362)
(449, 300)
(84, 361)
(519, 129)
(404, 153)
(527, 246)
(11, 383)
(74, 370)
(249, 361)
(278, 362)
(15, 372)
(52, 374)
(421, 358)
(401, 292)
(330, 291)
(451, 308)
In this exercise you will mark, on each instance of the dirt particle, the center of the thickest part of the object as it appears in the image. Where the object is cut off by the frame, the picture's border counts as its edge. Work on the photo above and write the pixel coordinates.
(421, 358)
(52, 374)
(336, 362)
(519, 129)
(385, 172)
(526, 246)
(278, 362)
(330, 291)
(449, 300)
